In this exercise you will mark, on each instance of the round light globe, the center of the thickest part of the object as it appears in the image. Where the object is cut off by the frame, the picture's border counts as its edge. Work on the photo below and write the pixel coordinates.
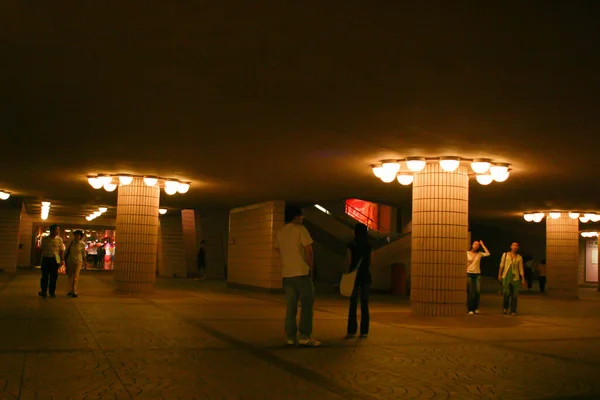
(498, 171)
(95, 182)
(391, 167)
(584, 220)
(538, 217)
(125, 179)
(484, 179)
(388, 176)
(501, 177)
(480, 166)
(105, 179)
(415, 164)
(378, 171)
(573, 215)
(595, 218)
(150, 181)
(183, 187)
(554, 215)
(449, 164)
(170, 190)
(528, 217)
(405, 179)
(110, 187)
(162, 211)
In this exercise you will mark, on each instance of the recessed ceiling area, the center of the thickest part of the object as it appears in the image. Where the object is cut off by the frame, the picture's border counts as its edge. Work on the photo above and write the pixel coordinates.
(295, 102)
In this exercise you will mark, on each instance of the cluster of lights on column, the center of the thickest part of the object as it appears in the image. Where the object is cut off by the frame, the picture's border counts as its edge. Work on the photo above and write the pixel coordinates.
(171, 186)
(584, 217)
(96, 214)
(45, 210)
(486, 171)
(4, 195)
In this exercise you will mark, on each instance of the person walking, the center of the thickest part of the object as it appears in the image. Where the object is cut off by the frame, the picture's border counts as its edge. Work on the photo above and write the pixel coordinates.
(541, 271)
(360, 255)
(474, 275)
(294, 244)
(74, 258)
(510, 275)
(52, 258)
(528, 268)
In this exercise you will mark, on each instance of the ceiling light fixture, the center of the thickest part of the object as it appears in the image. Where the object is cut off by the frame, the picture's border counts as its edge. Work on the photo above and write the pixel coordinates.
(150, 180)
(528, 217)
(125, 179)
(110, 187)
(377, 170)
(573, 215)
(162, 211)
(94, 182)
(484, 179)
(498, 171)
(595, 218)
(103, 209)
(481, 165)
(554, 215)
(390, 166)
(183, 187)
(416, 164)
(449, 164)
(105, 179)
(405, 179)
(538, 217)
(4, 195)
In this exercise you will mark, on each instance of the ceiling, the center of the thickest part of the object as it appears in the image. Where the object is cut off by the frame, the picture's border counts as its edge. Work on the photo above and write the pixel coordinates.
(254, 101)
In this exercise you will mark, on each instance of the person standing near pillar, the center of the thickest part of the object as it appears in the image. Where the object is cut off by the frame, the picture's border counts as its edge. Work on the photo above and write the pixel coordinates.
(294, 244)
(74, 258)
(511, 275)
(528, 268)
(360, 255)
(52, 258)
(474, 275)
(541, 272)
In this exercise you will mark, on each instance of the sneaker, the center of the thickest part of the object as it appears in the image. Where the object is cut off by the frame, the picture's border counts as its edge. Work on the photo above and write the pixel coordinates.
(309, 343)
(364, 335)
(41, 294)
(477, 312)
(470, 312)
(505, 311)
(350, 336)
(513, 314)
(290, 342)
(70, 294)
(52, 294)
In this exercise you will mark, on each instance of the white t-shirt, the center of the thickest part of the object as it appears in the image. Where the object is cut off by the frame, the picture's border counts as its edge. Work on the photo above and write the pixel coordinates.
(77, 252)
(474, 262)
(51, 246)
(291, 241)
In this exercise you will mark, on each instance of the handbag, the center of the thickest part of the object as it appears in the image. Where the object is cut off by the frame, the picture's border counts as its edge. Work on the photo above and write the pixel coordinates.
(348, 281)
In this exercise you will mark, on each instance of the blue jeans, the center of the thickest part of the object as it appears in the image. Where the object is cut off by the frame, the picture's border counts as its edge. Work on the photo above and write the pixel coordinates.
(473, 291)
(363, 289)
(512, 298)
(299, 288)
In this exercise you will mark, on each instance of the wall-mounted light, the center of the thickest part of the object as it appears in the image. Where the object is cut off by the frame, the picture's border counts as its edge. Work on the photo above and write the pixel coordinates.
(481, 165)
(405, 179)
(584, 217)
(484, 179)
(4, 195)
(162, 211)
(125, 179)
(554, 215)
(449, 164)
(45, 212)
(416, 164)
(150, 180)
(171, 186)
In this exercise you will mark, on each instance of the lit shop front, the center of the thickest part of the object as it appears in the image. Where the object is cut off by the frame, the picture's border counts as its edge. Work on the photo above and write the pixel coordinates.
(99, 245)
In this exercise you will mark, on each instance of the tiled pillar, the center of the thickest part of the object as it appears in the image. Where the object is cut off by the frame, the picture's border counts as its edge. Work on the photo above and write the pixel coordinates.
(136, 236)
(188, 221)
(10, 219)
(562, 256)
(440, 225)
(171, 251)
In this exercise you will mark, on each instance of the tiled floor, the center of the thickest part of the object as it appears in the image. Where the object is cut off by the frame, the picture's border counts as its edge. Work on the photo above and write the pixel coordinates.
(198, 340)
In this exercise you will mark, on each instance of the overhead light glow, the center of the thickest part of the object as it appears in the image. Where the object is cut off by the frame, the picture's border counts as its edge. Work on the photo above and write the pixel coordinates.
(103, 209)
(105, 179)
(95, 182)
(321, 208)
(150, 181)
(584, 219)
(501, 177)
(405, 179)
(183, 187)
(4, 195)
(170, 190)
(97, 213)
(528, 217)
(449, 164)
(110, 187)
(498, 171)
(391, 167)
(388, 176)
(538, 217)
(125, 179)
(162, 211)
(484, 179)
(480, 166)
(415, 164)
(46, 204)
(44, 216)
(378, 171)
(554, 215)
(573, 215)
(595, 218)
(88, 218)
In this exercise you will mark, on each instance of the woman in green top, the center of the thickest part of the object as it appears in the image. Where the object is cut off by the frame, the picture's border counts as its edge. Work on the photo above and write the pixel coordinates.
(510, 275)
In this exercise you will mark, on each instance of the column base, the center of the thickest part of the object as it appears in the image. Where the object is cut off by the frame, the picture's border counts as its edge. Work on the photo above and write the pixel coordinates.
(437, 310)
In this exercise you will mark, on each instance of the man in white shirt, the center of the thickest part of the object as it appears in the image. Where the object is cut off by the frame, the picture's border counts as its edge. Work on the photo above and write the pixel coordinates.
(52, 258)
(74, 259)
(295, 246)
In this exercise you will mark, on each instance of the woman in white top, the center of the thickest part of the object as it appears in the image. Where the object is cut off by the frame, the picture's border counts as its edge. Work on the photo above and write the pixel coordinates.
(474, 275)
(74, 258)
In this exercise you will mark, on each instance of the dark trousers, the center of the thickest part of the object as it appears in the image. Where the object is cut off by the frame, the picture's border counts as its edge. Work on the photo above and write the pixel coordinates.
(542, 281)
(49, 275)
(473, 291)
(363, 290)
(528, 277)
(512, 298)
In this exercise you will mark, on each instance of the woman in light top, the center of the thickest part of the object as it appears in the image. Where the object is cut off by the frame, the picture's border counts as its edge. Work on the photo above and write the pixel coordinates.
(474, 275)
(510, 275)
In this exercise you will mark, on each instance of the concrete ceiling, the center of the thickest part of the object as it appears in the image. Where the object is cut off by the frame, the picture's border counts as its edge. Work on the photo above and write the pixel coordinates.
(293, 100)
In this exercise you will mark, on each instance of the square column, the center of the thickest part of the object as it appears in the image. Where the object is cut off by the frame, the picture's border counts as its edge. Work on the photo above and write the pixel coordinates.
(562, 256)
(136, 236)
(440, 235)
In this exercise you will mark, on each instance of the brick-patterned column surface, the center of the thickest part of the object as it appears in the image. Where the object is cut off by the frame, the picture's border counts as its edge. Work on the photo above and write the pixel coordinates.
(562, 256)
(136, 237)
(440, 219)
(188, 219)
